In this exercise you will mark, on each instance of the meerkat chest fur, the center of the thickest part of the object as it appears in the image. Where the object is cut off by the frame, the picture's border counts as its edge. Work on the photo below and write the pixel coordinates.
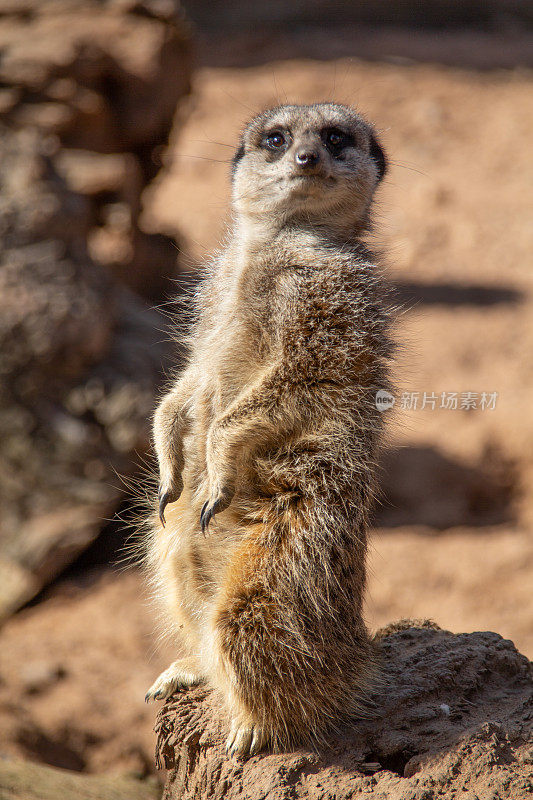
(297, 299)
(232, 341)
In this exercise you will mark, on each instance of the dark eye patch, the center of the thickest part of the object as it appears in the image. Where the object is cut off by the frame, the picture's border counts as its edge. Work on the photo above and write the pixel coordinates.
(376, 152)
(276, 140)
(237, 157)
(335, 139)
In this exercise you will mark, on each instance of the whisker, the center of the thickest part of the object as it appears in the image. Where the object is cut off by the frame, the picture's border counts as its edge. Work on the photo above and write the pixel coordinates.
(213, 141)
(235, 100)
(411, 168)
(204, 158)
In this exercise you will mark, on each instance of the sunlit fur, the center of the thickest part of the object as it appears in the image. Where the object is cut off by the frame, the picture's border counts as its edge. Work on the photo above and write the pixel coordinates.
(274, 418)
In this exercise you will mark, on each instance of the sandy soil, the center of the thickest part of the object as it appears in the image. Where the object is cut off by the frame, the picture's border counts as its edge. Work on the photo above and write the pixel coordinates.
(453, 538)
(74, 672)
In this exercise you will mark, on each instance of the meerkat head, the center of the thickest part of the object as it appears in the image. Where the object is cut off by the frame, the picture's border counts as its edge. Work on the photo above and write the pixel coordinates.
(319, 163)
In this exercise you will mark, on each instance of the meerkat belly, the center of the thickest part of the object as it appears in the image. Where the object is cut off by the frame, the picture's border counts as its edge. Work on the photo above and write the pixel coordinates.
(236, 361)
(228, 362)
(231, 360)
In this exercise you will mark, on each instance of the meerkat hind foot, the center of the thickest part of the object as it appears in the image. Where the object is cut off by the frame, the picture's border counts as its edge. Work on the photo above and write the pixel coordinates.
(180, 675)
(245, 740)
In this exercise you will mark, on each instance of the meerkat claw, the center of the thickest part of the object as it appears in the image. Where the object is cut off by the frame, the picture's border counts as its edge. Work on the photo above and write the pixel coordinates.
(245, 740)
(231, 737)
(169, 492)
(241, 742)
(180, 675)
(203, 522)
(259, 740)
(163, 502)
(209, 510)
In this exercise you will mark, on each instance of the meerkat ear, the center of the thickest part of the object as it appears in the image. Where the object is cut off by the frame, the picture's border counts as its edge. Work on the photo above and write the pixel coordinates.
(376, 152)
(236, 158)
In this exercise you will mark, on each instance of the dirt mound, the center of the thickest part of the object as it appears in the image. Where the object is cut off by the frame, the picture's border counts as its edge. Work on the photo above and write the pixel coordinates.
(454, 714)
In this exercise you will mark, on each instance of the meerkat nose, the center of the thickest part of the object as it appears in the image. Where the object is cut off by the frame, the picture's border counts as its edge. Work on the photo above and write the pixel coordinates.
(306, 158)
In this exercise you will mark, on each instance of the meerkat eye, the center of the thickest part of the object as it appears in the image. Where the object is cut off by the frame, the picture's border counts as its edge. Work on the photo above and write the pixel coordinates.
(335, 139)
(275, 140)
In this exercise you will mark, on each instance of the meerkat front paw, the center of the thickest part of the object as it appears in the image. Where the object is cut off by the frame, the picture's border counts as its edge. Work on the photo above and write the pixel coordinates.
(219, 499)
(168, 433)
(245, 740)
(180, 675)
(170, 490)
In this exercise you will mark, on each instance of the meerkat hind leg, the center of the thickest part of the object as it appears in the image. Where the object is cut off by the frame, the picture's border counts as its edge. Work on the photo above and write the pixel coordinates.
(245, 739)
(180, 675)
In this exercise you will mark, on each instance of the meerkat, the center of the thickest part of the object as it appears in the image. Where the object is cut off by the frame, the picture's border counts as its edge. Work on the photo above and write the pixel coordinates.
(267, 442)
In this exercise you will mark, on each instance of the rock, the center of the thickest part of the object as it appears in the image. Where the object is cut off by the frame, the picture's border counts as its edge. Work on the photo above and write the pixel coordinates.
(454, 714)
(89, 92)
(39, 676)
(410, 13)
(20, 780)
(17, 586)
(104, 77)
(81, 358)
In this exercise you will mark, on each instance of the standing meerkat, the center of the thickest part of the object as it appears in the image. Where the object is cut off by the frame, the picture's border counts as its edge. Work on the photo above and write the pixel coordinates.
(267, 442)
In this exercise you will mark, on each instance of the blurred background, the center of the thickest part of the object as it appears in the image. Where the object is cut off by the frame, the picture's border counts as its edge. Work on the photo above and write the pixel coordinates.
(118, 120)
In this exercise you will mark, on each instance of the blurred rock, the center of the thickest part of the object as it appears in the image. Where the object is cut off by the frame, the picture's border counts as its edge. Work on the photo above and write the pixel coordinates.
(21, 780)
(105, 78)
(17, 586)
(473, 14)
(80, 360)
(39, 676)
(453, 717)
